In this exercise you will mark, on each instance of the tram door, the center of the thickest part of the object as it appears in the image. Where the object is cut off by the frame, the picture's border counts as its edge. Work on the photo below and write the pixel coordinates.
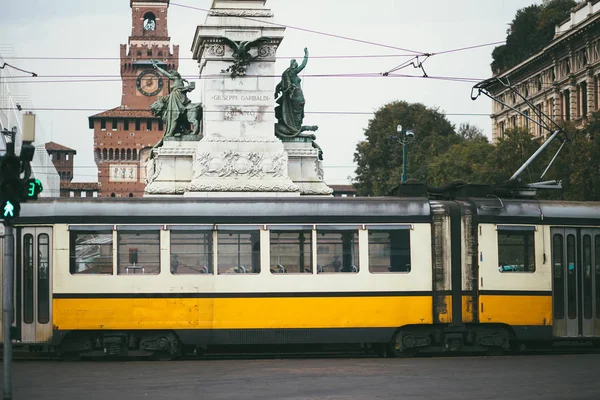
(34, 284)
(576, 282)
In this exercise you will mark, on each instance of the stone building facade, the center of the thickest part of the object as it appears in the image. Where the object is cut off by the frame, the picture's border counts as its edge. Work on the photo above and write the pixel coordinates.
(124, 136)
(62, 157)
(562, 80)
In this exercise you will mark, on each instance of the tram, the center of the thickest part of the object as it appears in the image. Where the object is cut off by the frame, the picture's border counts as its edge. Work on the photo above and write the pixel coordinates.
(403, 275)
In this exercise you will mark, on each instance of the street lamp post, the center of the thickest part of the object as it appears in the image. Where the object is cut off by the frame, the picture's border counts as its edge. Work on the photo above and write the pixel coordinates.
(404, 138)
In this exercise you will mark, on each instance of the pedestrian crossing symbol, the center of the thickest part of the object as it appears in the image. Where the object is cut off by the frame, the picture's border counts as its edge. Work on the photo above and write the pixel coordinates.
(9, 209)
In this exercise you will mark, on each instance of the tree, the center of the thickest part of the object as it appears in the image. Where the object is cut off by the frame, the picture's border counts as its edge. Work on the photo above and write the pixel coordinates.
(532, 28)
(578, 165)
(465, 161)
(379, 156)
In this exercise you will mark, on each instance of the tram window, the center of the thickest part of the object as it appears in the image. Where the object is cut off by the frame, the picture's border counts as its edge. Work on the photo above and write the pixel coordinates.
(43, 278)
(28, 279)
(91, 252)
(571, 278)
(139, 253)
(587, 277)
(516, 251)
(389, 251)
(191, 252)
(597, 262)
(558, 276)
(337, 251)
(291, 252)
(238, 252)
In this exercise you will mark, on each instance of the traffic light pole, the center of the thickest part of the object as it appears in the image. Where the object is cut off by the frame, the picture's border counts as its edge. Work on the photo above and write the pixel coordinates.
(8, 266)
(7, 307)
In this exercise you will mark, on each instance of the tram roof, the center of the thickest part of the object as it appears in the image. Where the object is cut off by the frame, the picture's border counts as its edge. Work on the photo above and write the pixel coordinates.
(226, 210)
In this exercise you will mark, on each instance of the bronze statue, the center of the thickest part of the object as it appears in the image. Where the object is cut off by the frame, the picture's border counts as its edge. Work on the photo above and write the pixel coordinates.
(176, 110)
(290, 109)
(241, 54)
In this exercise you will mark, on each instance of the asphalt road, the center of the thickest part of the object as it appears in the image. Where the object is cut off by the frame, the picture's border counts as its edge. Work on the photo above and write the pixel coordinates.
(509, 377)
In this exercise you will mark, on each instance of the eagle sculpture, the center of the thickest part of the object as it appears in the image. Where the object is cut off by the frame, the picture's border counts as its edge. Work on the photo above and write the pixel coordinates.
(241, 54)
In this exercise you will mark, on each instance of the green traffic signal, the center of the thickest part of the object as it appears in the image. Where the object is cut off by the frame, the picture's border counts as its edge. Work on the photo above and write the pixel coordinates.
(33, 188)
(10, 210)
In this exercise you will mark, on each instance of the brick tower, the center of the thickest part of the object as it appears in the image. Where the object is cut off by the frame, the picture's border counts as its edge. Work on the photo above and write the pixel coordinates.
(124, 136)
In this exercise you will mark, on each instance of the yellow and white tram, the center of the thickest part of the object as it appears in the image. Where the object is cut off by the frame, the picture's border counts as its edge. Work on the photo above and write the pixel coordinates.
(166, 276)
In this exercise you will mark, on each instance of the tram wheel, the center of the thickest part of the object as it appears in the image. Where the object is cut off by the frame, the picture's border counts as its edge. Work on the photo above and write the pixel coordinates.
(168, 348)
(397, 347)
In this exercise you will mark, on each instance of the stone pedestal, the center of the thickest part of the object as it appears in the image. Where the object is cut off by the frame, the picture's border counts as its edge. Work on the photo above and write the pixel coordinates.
(239, 151)
(305, 167)
(169, 172)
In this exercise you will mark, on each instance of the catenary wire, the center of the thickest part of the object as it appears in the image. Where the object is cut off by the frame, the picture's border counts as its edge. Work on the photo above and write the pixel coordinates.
(305, 30)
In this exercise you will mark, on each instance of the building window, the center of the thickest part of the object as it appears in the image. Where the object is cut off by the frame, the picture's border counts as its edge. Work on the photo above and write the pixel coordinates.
(104, 154)
(91, 252)
(57, 155)
(149, 125)
(584, 103)
(126, 124)
(130, 194)
(71, 194)
(112, 195)
(567, 104)
(139, 252)
(337, 250)
(502, 128)
(291, 251)
(138, 124)
(83, 193)
(128, 154)
(103, 124)
(160, 125)
(95, 194)
(122, 154)
(67, 156)
(135, 154)
(516, 249)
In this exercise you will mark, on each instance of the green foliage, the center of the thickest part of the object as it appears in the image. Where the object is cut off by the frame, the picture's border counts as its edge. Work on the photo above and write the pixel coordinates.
(532, 28)
(379, 156)
(578, 165)
(439, 155)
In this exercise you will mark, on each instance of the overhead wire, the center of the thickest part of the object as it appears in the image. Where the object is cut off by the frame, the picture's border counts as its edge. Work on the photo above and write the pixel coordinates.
(262, 21)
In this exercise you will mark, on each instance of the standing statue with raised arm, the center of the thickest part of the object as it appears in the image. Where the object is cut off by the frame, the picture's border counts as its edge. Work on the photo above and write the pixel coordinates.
(290, 109)
(176, 110)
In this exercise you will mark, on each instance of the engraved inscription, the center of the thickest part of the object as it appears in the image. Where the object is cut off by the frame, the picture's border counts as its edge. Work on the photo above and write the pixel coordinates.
(242, 35)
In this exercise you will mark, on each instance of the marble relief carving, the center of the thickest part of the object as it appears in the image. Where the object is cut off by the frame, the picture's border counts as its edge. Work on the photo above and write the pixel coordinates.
(232, 164)
(215, 50)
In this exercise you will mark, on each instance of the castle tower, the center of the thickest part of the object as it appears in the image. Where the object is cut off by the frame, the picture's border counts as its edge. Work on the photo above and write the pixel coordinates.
(124, 135)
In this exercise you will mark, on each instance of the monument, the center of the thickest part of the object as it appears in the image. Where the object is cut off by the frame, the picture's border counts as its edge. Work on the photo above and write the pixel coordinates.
(246, 136)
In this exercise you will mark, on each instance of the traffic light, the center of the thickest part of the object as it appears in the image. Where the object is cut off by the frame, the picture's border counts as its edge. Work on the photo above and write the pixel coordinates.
(11, 187)
(31, 189)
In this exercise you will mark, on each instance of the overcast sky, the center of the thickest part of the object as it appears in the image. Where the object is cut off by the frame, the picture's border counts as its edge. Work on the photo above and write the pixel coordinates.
(76, 28)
